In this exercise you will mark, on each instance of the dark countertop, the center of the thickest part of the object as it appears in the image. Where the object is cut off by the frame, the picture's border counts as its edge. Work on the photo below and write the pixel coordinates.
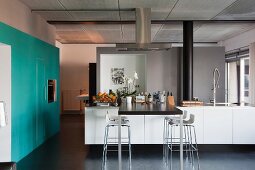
(160, 107)
(148, 109)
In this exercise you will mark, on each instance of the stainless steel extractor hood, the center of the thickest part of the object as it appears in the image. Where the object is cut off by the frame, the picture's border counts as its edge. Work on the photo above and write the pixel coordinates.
(143, 34)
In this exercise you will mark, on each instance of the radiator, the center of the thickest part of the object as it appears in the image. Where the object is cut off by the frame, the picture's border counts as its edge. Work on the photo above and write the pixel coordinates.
(70, 100)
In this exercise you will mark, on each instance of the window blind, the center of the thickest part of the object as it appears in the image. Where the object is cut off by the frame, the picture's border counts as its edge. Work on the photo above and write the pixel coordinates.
(236, 55)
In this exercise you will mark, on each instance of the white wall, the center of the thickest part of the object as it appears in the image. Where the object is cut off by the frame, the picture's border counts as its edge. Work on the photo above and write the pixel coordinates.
(74, 64)
(19, 16)
(239, 41)
(5, 95)
(160, 66)
(130, 62)
(162, 71)
(74, 73)
(206, 59)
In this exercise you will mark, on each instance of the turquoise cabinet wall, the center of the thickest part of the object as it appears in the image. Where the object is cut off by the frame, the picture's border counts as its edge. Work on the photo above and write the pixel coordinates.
(33, 62)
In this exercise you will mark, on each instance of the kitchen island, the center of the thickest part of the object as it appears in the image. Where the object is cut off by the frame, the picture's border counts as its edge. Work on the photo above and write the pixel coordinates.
(231, 124)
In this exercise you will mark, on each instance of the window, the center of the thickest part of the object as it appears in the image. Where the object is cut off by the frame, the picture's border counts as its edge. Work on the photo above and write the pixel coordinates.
(237, 64)
(244, 80)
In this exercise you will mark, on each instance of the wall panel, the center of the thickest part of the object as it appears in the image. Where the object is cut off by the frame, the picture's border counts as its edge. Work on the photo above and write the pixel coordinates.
(28, 123)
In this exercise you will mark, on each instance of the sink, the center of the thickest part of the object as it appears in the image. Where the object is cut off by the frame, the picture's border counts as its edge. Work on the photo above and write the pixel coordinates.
(218, 104)
(223, 103)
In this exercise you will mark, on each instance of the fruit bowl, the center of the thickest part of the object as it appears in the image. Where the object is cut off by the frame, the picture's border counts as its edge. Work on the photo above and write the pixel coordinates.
(104, 99)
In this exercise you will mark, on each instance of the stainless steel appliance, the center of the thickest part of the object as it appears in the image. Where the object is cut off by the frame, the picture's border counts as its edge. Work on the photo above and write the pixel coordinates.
(52, 91)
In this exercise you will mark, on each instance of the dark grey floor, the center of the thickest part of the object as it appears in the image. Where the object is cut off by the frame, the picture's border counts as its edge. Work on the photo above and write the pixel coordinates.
(66, 151)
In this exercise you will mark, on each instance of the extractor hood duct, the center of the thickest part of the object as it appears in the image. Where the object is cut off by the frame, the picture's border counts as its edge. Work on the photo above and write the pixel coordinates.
(143, 25)
(143, 34)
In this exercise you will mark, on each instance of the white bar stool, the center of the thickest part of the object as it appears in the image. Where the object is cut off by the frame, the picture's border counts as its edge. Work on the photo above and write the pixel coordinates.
(190, 142)
(112, 121)
(166, 130)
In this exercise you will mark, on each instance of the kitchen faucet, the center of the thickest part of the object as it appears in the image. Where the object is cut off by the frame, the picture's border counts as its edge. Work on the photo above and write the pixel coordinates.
(215, 84)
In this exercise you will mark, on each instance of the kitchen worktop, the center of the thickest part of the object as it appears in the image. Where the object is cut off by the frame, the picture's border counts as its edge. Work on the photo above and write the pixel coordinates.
(142, 109)
(163, 108)
(148, 109)
(154, 107)
(83, 97)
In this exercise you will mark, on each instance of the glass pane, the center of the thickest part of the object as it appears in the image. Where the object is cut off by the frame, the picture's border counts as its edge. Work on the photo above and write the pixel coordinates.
(246, 93)
(238, 80)
(246, 62)
(245, 80)
(246, 74)
(232, 82)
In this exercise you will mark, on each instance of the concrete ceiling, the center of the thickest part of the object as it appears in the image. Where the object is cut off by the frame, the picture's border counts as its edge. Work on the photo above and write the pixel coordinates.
(108, 10)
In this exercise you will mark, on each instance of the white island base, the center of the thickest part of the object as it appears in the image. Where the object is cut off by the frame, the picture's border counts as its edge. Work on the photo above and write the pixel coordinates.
(214, 125)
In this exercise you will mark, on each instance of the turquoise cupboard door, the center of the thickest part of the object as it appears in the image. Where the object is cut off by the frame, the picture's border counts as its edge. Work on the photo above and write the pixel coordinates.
(41, 97)
(29, 124)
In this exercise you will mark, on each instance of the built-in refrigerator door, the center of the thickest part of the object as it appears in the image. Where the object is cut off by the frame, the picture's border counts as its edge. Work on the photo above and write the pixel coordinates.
(92, 81)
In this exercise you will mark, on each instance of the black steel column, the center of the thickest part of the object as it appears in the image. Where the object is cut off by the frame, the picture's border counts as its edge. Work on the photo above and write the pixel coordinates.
(187, 60)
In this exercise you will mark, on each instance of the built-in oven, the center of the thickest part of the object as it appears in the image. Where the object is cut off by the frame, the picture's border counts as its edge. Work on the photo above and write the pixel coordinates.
(52, 91)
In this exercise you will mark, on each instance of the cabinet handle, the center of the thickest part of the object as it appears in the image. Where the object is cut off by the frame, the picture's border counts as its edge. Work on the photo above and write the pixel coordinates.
(45, 93)
(5, 112)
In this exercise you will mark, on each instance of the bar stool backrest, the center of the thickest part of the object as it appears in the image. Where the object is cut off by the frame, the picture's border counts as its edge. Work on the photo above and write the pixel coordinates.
(185, 115)
(110, 117)
(191, 119)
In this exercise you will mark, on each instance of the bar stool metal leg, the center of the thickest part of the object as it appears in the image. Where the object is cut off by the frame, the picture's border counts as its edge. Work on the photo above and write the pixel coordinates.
(167, 142)
(164, 139)
(198, 163)
(171, 152)
(129, 147)
(105, 146)
(186, 141)
(191, 144)
(113, 143)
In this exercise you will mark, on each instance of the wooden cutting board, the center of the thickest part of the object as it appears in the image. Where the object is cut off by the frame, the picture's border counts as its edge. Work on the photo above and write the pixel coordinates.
(186, 103)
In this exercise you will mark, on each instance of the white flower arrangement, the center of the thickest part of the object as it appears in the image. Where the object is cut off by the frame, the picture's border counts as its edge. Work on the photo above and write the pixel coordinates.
(129, 86)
